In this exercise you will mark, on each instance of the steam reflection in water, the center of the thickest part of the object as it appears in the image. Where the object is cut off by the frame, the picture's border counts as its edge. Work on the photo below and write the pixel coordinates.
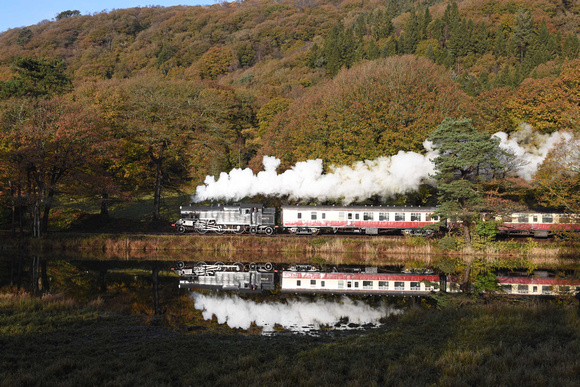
(294, 315)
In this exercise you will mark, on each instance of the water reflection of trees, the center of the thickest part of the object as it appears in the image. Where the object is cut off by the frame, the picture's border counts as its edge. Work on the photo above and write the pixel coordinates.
(126, 286)
(148, 287)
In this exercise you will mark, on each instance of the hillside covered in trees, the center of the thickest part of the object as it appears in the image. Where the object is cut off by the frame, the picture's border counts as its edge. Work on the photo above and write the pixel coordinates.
(147, 101)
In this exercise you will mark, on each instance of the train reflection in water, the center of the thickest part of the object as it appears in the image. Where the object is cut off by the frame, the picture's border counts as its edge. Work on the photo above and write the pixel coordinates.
(309, 279)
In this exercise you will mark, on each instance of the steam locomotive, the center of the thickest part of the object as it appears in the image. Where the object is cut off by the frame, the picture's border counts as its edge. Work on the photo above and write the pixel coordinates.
(238, 219)
(254, 218)
(308, 279)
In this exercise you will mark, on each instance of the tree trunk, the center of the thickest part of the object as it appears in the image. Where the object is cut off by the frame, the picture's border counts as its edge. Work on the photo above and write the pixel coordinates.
(105, 204)
(46, 212)
(36, 233)
(467, 234)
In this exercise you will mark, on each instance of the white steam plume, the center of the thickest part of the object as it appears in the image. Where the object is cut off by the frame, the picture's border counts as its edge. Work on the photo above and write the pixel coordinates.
(294, 315)
(385, 176)
(531, 147)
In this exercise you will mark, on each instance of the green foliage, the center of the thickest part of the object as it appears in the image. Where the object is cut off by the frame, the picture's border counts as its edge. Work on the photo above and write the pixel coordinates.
(486, 281)
(38, 78)
(67, 14)
(24, 36)
(449, 265)
(466, 158)
(487, 229)
(447, 243)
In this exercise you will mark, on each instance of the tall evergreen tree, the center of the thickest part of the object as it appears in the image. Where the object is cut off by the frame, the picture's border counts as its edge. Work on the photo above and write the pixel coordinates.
(332, 50)
(425, 21)
(348, 48)
(451, 15)
(481, 39)
(523, 32)
(500, 44)
(503, 78)
(382, 27)
(466, 158)
(390, 47)
(373, 51)
(411, 33)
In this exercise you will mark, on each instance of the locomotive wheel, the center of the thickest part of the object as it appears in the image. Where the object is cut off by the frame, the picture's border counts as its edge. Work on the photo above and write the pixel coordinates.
(200, 264)
(239, 266)
(269, 231)
(253, 266)
(220, 229)
(268, 266)
(238, 229)
(220, 265)
(181, 229)
(253, 230)
(200, 229)
(180, 265)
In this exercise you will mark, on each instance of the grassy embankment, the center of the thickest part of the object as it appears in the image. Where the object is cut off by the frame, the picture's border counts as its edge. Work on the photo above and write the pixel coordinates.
(54, 341)
(109, 240)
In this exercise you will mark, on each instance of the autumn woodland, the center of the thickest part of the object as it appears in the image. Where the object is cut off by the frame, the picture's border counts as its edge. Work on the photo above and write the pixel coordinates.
(145, 102)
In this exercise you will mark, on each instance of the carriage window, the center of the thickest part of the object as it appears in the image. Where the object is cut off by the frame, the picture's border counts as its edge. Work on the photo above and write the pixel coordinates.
(349, 284)
(349, 216)
(356, 284)
(357, 216)
(522, 289)
(341, 284)
(298, 282)
(341, 216)
(547, 219)
(415, 216)
(313, 215)
(322, 284)
(300, 215)
(399, 285)
(535, 218)
(415, 285)
(324, 215)
(399, 217)
(535, 289)
(546, 290)
(367, 284)
(523, 219)
(368, 216)
(312, 282)
(383, 285)
(384, 216)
